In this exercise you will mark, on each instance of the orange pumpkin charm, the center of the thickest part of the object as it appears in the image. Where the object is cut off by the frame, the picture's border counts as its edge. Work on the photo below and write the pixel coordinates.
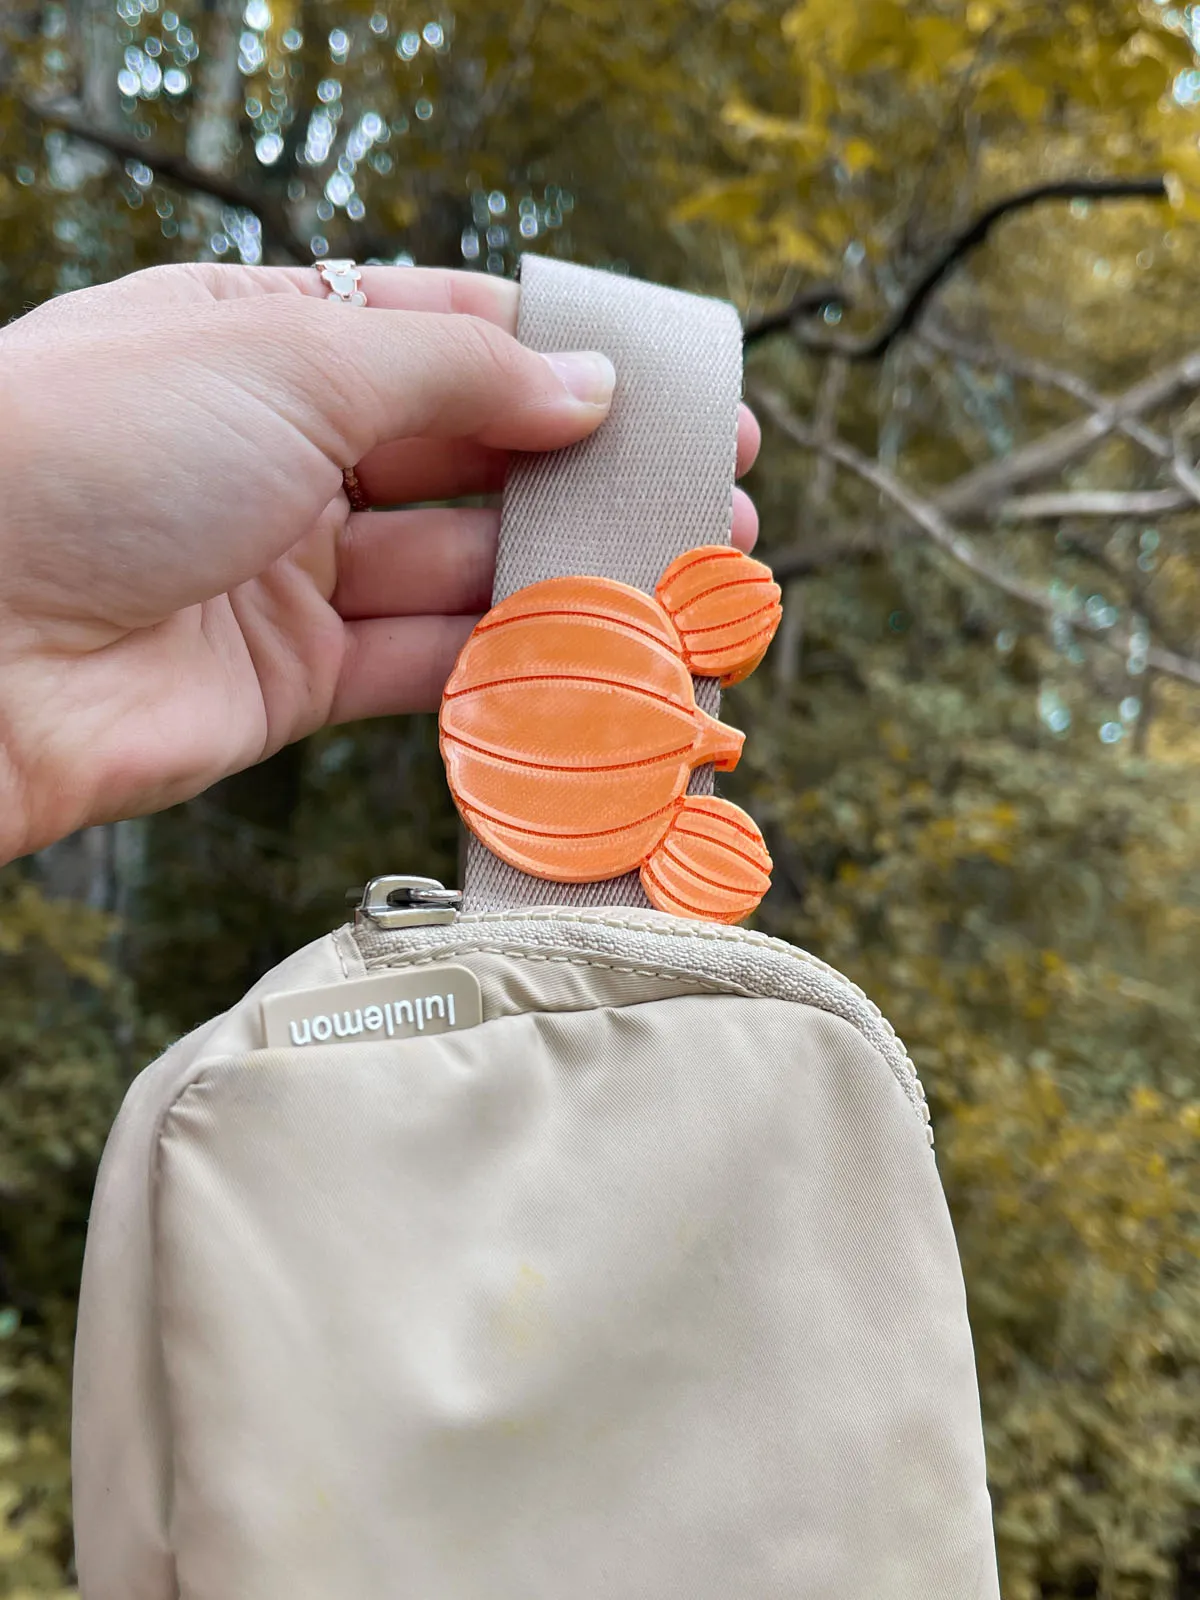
(569, 729)
(725, 607)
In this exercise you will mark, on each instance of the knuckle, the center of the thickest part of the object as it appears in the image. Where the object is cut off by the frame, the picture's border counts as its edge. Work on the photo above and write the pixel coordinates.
(488, 350)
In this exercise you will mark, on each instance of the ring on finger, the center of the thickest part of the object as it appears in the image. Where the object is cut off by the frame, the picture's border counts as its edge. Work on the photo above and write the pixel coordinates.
(343, 280)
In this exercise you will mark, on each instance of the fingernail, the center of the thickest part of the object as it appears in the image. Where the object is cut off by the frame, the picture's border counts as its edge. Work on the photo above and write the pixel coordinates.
(585, 374)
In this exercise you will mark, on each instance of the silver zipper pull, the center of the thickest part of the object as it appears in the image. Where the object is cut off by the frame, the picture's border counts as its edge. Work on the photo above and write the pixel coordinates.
(402, 902)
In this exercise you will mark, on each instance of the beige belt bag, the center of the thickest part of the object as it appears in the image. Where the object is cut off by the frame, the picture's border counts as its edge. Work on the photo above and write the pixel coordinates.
(554, 1249)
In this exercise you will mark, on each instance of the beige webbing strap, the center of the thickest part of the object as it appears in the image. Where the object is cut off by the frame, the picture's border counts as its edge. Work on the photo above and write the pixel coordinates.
(654, 480)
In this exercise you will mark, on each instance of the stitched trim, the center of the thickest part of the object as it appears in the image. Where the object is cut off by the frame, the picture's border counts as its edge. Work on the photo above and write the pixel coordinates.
(705, 985)
(681, 928)
(836, 994)
(196, 1072)
(349, 952)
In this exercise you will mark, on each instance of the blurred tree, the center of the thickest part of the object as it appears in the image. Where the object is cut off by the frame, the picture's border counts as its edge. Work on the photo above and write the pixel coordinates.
(963, 236)
(70, 1036)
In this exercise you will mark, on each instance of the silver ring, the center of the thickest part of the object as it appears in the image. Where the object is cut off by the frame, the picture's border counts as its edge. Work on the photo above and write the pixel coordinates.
(342, 279)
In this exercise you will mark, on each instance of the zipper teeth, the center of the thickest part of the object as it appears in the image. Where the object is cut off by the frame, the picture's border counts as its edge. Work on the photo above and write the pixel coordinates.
(721, 935)
(688, 929)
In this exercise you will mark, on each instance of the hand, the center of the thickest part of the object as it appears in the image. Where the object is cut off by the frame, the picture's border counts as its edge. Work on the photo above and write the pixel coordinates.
(183, 587)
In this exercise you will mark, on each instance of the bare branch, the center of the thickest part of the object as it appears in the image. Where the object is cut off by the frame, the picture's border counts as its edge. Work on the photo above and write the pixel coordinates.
(976, 234)
(1045, 376)
(977, 492)
(789, 643)
(804, 561)
(1132, 584)
(1040, 372)
(829, 399)
(1185, 473)
(808, 303)
(277, 229)
(929, 520)
(1095, 503)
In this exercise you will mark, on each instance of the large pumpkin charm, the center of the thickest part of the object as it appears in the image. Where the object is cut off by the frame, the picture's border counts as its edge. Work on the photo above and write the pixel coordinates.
(569, 729)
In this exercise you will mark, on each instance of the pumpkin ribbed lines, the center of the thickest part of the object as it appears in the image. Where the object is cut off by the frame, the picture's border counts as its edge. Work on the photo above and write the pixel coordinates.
(713, 604)
(699, 558)
(690, 833)
(733, 583)
(593, 616)
(686, 866)
(719, 627)
(542, 833)
(698, 808)
(549, 766)
(734, 644)
(563, 677)
(649, 872)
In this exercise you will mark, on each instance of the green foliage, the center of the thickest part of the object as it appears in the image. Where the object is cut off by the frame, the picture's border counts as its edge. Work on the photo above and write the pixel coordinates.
(69, 1039)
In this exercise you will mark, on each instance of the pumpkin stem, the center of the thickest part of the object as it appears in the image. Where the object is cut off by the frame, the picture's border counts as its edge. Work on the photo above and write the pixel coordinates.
(717, 742)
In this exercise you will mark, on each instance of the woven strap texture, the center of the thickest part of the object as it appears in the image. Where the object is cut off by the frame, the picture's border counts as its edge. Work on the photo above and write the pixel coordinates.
(654, 480)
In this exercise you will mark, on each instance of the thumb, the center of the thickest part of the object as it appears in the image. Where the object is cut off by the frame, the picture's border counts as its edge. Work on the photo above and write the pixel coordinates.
(355, 377)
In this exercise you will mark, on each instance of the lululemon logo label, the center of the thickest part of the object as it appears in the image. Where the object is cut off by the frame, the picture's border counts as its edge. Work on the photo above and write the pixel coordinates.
(392, 1017)
(400, 1004)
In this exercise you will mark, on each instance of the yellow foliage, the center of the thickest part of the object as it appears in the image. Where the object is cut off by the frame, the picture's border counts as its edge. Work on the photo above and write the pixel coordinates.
(799, 248)
(722, 201)
(750, 124)
(858, 155)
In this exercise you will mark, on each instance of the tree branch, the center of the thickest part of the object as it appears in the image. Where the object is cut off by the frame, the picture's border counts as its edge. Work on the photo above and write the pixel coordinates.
(929, 520)
(276, 226)
(1042, 374)
(804, 561)
(1133, 584)
(875, 345)
(1095, 503)
(808, 303)
(1049, 377)
(977, 492)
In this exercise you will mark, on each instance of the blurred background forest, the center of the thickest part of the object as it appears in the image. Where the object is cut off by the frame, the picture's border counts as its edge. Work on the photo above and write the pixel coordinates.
(965, 238)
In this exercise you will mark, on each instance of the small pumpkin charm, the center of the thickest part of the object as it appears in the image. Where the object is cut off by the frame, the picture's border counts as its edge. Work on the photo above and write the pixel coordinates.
(569, 728)
(725, 607)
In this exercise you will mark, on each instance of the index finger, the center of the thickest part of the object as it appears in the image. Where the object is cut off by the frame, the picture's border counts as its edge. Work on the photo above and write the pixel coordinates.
(442, 289)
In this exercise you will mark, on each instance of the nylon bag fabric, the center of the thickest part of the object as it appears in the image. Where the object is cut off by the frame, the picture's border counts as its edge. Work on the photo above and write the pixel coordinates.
(643, 1286)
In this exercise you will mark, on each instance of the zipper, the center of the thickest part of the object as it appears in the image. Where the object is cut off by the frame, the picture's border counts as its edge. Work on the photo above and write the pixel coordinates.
(398, 901)
(396, 922)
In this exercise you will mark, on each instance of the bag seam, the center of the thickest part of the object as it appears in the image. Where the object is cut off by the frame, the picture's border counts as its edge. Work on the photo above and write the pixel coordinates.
(677, 928)
(155, 1184)
(349, 952)
(397, 956)
(704, 985)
